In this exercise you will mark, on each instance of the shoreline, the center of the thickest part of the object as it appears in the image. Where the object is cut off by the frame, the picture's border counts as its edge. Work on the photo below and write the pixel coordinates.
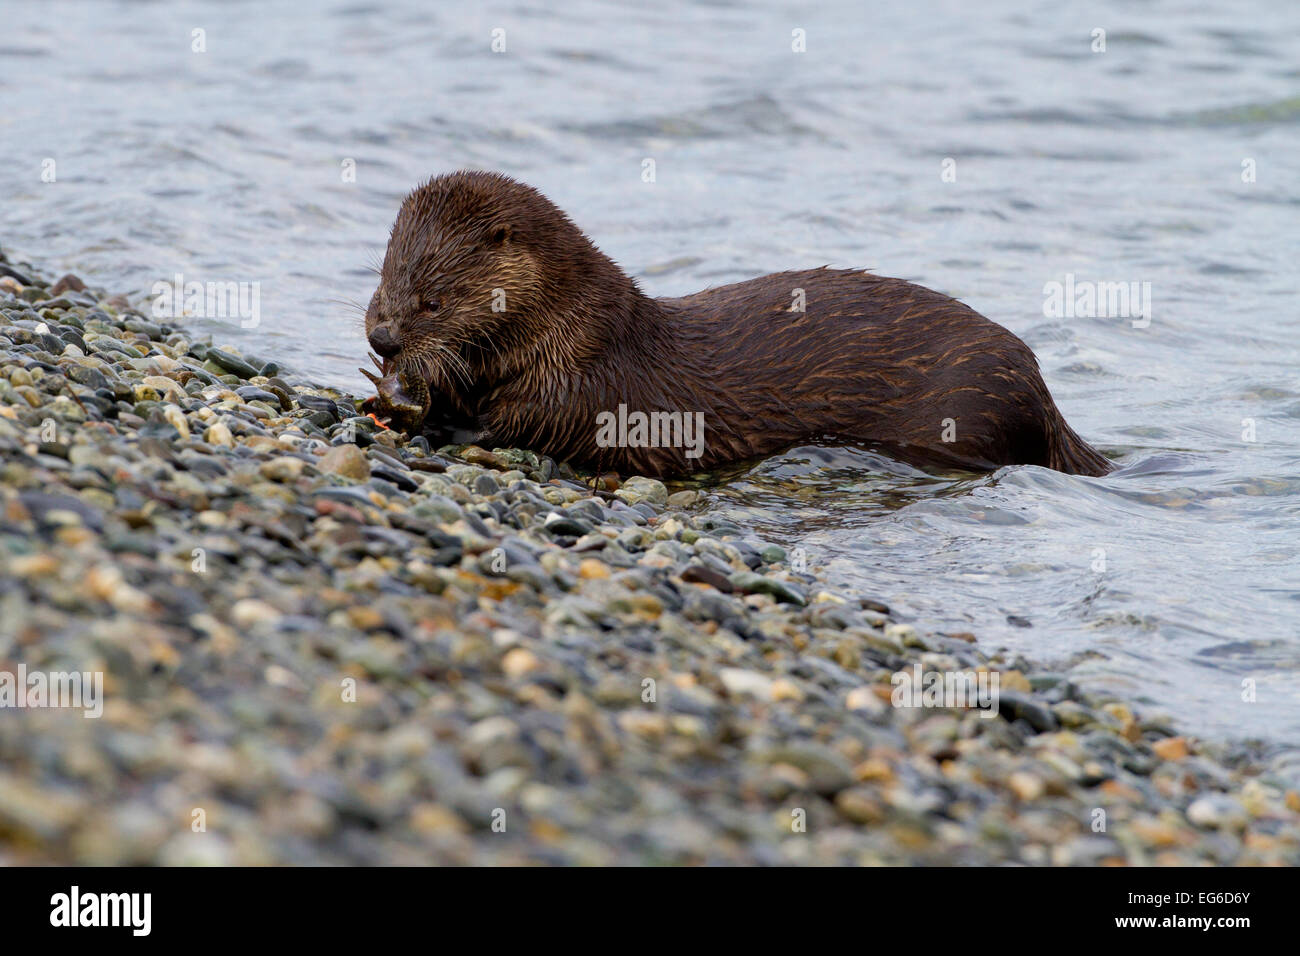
(342, 652)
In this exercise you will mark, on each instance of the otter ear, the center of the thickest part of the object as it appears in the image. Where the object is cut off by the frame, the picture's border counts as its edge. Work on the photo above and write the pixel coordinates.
(500, 236)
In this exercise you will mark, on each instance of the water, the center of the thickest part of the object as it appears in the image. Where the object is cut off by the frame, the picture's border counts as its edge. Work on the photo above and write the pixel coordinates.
(1169, 582)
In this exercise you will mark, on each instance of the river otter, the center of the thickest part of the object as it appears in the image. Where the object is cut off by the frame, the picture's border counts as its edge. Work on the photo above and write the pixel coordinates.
(495, 314)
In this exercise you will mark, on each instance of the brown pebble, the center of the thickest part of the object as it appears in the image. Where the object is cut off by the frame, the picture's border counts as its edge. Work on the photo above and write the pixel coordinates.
(33, 566)
(846, 654)
(429, 465)
(859, 805)
(1158, 833)
(1026, 786)
(1015, 681)
(1115, 788)
(873, 768)
(1171, 748)
(519, 661)
(365, 618)
(487, 459)
(436, 819)
(699, 574)
(785, 689)
(67, 283)
(590, 569)
(349, 461)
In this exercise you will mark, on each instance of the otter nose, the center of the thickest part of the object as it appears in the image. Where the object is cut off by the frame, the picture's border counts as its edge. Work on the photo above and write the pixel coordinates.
(383, 342)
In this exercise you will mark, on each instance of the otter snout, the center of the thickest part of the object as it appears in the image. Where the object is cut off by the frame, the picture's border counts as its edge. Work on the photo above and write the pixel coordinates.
(384, 342)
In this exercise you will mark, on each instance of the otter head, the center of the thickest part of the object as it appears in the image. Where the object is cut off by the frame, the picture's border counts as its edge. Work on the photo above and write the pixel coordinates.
(483, 276)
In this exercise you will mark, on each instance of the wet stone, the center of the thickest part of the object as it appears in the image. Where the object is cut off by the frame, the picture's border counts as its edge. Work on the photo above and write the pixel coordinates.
(231, 363)
(752, 583)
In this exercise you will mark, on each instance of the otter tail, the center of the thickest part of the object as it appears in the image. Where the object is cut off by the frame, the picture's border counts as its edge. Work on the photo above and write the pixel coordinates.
(1069, 453)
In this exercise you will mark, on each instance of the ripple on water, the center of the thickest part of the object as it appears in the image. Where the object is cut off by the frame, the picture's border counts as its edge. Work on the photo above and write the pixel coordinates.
(1120, 579)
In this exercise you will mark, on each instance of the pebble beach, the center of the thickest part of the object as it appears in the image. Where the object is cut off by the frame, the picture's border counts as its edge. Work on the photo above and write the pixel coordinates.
(322, 644)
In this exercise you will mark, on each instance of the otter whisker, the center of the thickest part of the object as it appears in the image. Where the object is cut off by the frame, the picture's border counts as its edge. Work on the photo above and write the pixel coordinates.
(491, 348)
(433, 359)
(350, 303)
(453, 347)
(458, 364)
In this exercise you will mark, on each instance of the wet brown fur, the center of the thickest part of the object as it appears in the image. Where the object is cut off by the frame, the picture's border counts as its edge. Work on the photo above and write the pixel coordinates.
(871, 360)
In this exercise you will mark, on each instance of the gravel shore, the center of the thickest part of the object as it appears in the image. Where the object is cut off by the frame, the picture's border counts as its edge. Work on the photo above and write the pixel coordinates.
(322, 645)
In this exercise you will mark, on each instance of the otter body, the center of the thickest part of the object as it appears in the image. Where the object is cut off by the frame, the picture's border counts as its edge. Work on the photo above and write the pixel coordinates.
(495, 314)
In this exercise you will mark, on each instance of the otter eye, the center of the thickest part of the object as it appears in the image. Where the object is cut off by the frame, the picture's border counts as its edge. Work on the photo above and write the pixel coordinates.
(432, 305)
